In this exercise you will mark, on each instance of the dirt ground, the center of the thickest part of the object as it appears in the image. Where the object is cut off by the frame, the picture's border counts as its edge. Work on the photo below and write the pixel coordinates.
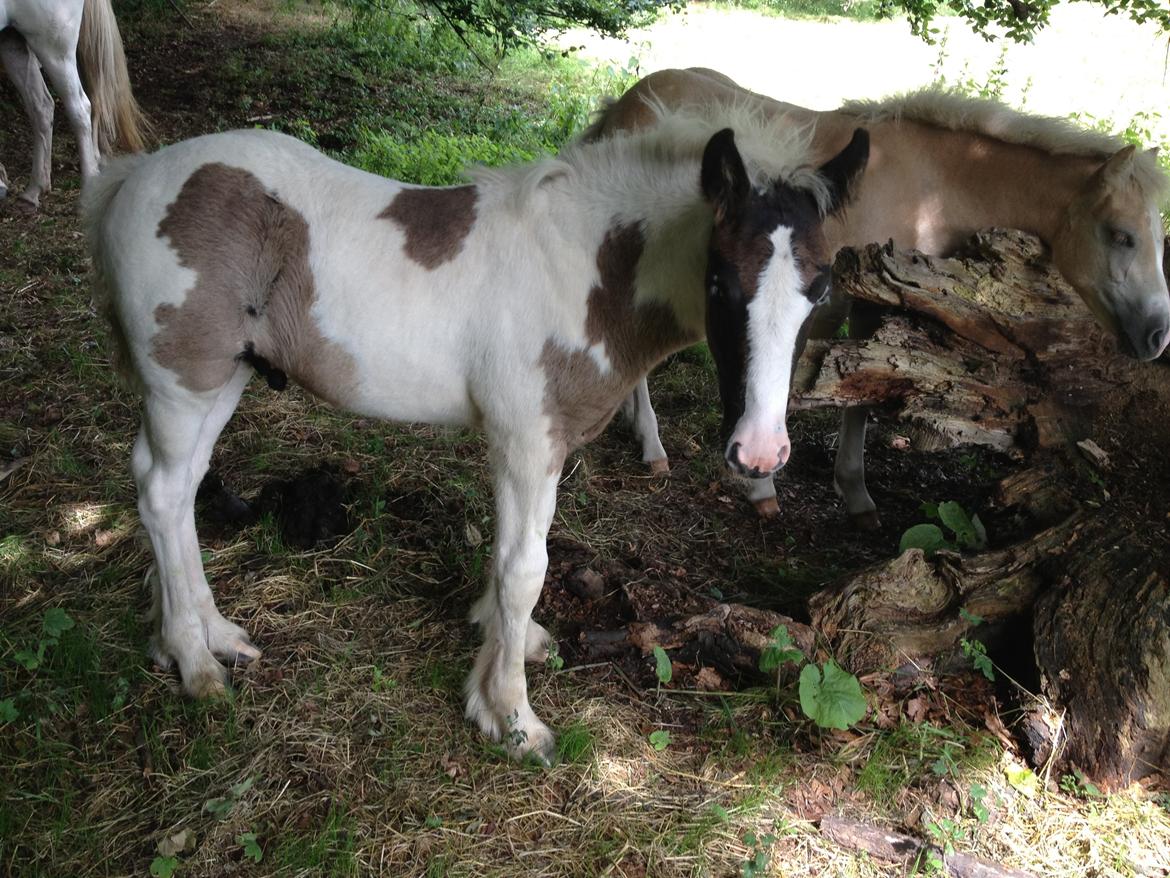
(349, 729)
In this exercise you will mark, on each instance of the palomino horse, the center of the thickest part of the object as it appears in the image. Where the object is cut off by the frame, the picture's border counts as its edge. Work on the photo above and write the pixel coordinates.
(527, 304)
(73, 41)
(942, 167)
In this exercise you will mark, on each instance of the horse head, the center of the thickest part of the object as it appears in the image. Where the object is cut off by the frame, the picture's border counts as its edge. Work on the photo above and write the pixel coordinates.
(1110, 247)
(768, 266)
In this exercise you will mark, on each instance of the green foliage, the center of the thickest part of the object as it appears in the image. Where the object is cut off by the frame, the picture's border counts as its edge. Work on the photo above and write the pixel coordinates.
(659, 739)
(966, 531)
(859, 10)
(554, 661)
(830, 696)
(977, 652)
(978, 795)
(164, 867)
(431, 158)
(55, 623)
(780, 650)
(1076, 784)
(251, 846)
(221, 807)
(489, 27)
(1018, 20)
(662, 667)
(756, 864)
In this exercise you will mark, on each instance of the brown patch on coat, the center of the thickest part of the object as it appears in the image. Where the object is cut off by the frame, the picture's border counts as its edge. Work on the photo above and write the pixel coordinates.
(253, 288)
(436, 222)
(578, 397)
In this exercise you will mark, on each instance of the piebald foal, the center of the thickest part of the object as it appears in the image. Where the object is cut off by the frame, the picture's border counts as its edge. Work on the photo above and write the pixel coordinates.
(527, 304)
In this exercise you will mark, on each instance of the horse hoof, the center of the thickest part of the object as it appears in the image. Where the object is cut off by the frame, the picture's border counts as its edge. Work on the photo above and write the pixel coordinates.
(868, 521)
(244, 654)
(767, 508)
(659, 467)
(208, 684)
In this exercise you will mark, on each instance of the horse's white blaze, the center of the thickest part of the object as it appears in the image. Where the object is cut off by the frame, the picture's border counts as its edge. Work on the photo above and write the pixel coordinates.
(775, 316)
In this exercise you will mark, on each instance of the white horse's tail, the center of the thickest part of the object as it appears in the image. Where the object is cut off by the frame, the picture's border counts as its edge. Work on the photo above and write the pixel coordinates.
(96, 198)
(118, 122)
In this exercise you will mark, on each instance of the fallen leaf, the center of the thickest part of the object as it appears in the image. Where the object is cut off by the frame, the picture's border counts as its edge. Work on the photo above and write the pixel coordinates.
(183, 840)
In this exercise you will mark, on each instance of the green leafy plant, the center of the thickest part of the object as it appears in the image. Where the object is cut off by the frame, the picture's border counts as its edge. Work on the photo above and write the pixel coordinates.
(164, 867)
(659, 739)
(830, 696)
(977, 652)
(251, 846)
(662, 667)
(1076, 784)
(978, 796)
(781, 649)
(222, 807)
(757, 862)
(554, 661)
(966, 531)
(55, 623)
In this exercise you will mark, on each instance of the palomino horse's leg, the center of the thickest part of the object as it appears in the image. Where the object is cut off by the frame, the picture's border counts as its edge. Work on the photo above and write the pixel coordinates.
(526, 470)
(25, 73)
(170, 457)
(849, 469)
(640, 413)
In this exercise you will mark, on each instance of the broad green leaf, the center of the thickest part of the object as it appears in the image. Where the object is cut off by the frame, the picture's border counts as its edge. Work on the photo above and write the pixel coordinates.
(8, 711)
(930, 510)
(831, 698)
(1023, 779)
(242, 787)
(164, 867)
(56, 621)
(662, 667)
(220, 807)
(781, 649)
(252, 849)
(928, 537)
(955, 517)
(660, 739)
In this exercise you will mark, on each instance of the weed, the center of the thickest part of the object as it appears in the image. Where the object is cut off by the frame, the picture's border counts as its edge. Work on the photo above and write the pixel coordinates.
(659, 739)
(1076, 784)
(967, 531)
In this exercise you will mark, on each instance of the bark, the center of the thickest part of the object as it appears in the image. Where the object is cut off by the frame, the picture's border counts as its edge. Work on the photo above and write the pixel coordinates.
(993, 348)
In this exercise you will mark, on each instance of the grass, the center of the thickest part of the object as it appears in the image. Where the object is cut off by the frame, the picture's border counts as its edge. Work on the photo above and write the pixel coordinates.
(351, 725)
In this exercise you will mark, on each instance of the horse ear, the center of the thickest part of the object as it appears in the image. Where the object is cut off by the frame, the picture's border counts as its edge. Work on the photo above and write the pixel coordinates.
(843, 171)
(1119, 165)
(723, 177)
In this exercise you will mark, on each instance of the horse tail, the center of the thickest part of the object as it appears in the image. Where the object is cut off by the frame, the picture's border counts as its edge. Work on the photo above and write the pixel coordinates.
(118, 121)
(96, 198)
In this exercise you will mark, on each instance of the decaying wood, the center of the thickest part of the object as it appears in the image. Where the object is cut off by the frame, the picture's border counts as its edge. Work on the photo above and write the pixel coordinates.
(896, 847)
(993, 348)
(988, 348)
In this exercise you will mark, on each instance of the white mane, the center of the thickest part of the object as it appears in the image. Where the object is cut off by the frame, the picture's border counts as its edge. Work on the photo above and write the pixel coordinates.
(946, 108)
(771, 150)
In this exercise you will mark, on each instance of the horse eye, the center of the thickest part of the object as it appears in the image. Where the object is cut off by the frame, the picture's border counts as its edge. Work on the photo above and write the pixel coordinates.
(1122, 239)
(714, 291)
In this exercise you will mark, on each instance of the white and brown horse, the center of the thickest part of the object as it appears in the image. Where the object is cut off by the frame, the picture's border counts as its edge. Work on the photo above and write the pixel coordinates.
(942, 167)
(528, 304)
(77, 45)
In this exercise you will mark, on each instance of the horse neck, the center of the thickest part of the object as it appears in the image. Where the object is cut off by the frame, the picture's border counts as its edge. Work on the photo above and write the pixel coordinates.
(662, 200)
(931, 188)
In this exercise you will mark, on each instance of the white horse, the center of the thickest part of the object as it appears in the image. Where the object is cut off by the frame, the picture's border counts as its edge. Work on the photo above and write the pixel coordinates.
(527, 304)
(73, 41)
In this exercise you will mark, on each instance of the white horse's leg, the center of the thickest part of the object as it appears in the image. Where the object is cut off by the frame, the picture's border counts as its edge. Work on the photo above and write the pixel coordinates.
(24, 71)
(170, 457)
(62, 73)
(640, 413)
(526, 470)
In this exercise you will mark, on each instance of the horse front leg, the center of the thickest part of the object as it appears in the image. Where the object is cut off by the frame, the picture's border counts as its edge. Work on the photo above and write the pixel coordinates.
(640, 413)
(24, 71)
(525, 470)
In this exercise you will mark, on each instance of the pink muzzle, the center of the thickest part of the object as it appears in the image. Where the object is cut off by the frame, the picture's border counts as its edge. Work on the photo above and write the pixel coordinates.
(757, 453)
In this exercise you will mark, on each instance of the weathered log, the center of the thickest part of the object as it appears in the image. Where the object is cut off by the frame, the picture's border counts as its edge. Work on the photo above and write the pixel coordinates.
(992, 347)
(897, 847)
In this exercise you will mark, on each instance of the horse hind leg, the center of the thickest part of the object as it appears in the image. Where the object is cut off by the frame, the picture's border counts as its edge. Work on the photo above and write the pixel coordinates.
(25, 72)
(170, 457)
(640, 413)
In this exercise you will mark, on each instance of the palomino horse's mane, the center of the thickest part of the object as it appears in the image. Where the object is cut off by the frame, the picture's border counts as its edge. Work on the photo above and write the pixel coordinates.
(771, 150)
(955, 111)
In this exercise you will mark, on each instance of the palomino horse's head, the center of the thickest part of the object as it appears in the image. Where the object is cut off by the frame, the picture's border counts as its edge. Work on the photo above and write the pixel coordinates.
(768, 266)
(1109, 247)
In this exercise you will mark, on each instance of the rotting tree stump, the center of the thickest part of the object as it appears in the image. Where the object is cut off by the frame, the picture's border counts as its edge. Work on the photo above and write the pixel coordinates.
(992, 347)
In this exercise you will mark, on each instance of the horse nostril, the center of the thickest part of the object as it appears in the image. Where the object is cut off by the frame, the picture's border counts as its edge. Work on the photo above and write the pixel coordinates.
(1157, 340)
(732, 456)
